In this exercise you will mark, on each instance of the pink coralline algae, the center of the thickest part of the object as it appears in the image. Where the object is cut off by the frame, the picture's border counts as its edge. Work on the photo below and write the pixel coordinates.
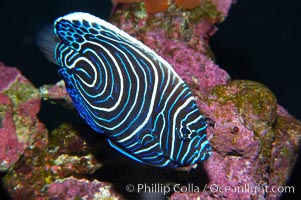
(71, 187)
(255, 141)
(19, 125)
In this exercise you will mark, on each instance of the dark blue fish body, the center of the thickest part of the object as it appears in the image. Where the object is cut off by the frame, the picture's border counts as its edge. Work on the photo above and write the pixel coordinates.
(126, 91)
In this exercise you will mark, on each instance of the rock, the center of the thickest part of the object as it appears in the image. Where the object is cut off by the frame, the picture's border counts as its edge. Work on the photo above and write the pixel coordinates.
(56, 94)
(71, 188)
(246, 141)
(50, 173)
(19, 125)
(157, 6)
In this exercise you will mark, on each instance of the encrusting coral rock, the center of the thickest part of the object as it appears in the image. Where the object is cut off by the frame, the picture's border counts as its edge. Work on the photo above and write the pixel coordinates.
(19, 125)
(156, 6)
(84, 189)
(48, 173)
(255, 141)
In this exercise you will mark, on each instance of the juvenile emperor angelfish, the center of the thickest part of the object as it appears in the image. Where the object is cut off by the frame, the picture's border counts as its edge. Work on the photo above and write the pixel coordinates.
(124, 90)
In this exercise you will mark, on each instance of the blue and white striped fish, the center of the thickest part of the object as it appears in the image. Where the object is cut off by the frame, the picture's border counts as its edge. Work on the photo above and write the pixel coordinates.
(125, 90)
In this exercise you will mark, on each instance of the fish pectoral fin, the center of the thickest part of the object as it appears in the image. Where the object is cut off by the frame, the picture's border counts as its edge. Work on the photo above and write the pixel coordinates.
(123, 151)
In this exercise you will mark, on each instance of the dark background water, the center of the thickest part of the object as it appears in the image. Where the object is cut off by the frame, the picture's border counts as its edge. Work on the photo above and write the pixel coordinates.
(260, 40)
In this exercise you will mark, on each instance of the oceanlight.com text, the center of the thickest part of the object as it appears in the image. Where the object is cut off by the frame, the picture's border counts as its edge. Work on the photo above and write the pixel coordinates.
(213, 188)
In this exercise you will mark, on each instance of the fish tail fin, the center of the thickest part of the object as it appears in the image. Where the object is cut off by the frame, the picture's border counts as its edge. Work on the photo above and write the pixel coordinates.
(47, 42)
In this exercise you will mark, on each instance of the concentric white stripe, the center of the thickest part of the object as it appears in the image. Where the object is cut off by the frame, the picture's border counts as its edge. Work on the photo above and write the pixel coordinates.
(174, 122)
(121, 83)
(152, 98)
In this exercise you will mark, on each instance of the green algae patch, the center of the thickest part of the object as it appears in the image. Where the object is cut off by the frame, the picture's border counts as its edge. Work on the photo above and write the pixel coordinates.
(206, 10)
(255, 103)
(285, 147)
(20, 92)
(3, 109)
(140, 12)
(26, 104)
